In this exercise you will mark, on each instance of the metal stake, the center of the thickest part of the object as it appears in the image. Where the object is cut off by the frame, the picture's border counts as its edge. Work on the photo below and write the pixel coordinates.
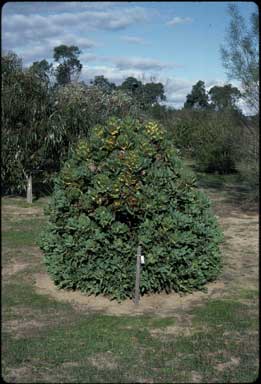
(137, 282)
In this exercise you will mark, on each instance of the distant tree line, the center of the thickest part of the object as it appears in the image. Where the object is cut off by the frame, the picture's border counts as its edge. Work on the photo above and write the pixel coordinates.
(46, 109)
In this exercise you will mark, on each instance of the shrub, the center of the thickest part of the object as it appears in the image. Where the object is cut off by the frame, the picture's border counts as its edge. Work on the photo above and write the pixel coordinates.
(214, 136)
(126, 186)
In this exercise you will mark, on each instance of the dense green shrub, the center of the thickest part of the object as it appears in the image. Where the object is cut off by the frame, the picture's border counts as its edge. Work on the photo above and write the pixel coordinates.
(126, 186)
(209, 137)
(215, 143)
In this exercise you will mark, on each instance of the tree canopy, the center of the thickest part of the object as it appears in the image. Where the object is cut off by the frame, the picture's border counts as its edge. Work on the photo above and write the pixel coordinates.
(69, 65)
(43, 70)
(240, 54)
(198, 98)
(224, 97)
(103, 83)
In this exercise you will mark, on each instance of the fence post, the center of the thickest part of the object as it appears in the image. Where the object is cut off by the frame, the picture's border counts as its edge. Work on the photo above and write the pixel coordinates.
(137, 282)
(29, 191)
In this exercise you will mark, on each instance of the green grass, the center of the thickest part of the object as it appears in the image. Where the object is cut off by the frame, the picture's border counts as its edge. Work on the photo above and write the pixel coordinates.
(135, 352)
(22, 230)
(54, 342)
(21, 202)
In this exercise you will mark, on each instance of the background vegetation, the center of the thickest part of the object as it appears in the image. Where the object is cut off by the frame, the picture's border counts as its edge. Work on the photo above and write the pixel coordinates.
(46, 109)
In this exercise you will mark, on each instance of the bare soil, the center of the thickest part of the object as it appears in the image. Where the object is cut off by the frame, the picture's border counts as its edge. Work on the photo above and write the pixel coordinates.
(233, 362)
(11, 269)
(103, 360)
(21, 211)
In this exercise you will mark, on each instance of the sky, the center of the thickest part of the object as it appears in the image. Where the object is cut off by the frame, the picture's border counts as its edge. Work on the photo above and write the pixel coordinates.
(176, 43)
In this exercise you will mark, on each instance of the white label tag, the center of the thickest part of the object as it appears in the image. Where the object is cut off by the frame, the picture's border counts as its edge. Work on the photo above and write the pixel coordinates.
(142, 260)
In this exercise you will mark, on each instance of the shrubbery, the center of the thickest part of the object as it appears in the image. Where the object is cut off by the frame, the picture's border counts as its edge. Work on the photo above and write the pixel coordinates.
(215, 143)
(208, 137)
(124, 186)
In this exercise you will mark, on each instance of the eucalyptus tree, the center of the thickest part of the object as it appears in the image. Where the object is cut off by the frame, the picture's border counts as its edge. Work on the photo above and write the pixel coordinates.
(43, 71)
(240, 57)
(198, 98)
(153, 93)
(69, 66)
(103, 83)
(147, 94)
(77, 107)
(25, 110)
(224, 98)
(240, 54)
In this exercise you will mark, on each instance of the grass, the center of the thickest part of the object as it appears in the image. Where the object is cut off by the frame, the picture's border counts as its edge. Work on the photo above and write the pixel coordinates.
(21, 202)
(45, 340)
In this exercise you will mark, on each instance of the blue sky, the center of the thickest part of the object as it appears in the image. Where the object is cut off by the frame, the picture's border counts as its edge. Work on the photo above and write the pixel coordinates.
(177, 43)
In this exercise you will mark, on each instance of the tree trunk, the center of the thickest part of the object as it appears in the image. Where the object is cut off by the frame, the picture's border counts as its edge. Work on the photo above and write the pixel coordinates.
(29, 190)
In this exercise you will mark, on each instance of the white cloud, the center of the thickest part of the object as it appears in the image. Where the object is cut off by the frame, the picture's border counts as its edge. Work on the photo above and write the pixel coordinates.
(111, 73)
(133, 40)
(30, 7)
(40, 30)
(91, 19)
(35, 53)
(140, 63)
(179, 20)
(44, 49)
(70, 39)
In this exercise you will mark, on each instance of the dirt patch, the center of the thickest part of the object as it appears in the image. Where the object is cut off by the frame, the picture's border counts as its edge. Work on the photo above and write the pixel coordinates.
(12, 269)
(176, 330)
(196, 377)
(103, 361)
(18, 375)
(240, 250)
(20, 328)
(25, 258)
(232, 363)
(21, 211)
(69, 364)
(144, 380)
(161, 304)
(26, 374)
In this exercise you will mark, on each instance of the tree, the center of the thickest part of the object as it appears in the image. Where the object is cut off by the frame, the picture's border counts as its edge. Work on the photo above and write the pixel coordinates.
(145, 94)
(240, 55)
(69, 66)
(10, 63)
(103, 83)
(153, 93)
(224, 97)
(132, 86)
(76, 107)
(43, 70)
(25, 111)
(198, 98)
